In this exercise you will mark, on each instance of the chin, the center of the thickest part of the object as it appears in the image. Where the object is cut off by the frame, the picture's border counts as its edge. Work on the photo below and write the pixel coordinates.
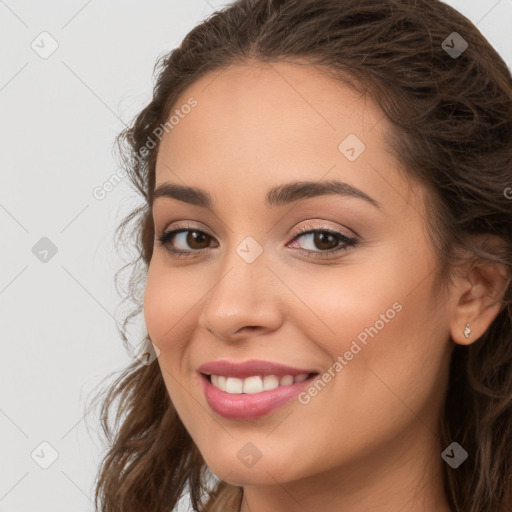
(264, 471)
(248, 476)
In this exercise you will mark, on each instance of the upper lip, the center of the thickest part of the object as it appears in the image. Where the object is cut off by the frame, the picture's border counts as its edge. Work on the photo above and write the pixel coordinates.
(249, 368)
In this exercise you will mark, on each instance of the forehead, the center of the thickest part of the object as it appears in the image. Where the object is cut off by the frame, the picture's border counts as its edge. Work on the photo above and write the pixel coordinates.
(272, 102)
(260, 124)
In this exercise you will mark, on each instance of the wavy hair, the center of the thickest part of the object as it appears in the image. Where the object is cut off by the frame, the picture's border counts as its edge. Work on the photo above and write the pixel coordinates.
(451, 119)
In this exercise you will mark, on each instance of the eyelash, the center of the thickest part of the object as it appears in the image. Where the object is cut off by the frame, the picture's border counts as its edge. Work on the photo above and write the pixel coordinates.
(349, 242)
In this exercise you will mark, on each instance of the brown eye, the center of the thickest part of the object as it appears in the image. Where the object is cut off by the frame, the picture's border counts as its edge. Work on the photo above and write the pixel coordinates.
(197, 239)
(324, 240)
(187, 238)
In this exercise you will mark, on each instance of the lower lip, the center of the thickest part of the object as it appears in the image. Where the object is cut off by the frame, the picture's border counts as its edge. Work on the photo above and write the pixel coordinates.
(246, 406)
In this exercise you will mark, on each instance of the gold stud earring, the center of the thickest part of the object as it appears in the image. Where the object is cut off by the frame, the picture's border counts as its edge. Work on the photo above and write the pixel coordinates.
(467, 331)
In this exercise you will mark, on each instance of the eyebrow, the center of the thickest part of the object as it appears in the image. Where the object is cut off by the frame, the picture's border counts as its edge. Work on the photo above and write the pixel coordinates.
(276, 196)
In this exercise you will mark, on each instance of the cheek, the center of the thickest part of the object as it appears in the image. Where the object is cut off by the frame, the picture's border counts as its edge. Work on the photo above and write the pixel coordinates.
(384, 323)
(172, 301)
(358, 300)
(392, 371)
(157, 305)
(169, 298)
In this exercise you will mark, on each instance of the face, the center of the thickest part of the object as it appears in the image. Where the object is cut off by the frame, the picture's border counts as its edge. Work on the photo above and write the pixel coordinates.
(352, 300)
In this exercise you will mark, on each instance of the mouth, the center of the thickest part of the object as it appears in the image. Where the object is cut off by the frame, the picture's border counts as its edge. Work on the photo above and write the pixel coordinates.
(255, 383)
(252, 389)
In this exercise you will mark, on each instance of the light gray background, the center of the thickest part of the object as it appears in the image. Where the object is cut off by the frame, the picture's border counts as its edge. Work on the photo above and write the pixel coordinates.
(58, 121)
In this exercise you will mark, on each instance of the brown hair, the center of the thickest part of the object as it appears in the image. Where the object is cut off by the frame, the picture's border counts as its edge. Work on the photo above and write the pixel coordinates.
(452, 120)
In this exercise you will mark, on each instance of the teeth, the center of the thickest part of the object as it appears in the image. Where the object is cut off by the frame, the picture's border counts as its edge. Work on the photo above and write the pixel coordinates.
(234, 385)
(286, 380)
(221, 382)
(254, 384)
(270, 382)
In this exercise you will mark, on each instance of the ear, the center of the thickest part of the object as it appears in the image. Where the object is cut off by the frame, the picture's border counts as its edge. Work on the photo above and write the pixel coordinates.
(479, 292)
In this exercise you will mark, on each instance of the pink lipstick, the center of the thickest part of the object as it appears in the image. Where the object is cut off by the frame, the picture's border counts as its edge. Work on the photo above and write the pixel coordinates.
(249, 389)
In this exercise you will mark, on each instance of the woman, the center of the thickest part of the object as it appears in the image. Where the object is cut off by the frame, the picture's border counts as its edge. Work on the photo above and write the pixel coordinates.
(326, 245)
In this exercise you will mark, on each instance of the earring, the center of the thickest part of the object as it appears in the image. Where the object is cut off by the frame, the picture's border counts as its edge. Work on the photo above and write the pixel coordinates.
(467, 331)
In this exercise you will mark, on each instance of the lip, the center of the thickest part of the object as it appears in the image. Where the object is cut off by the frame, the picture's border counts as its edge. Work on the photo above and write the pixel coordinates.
(248, 406)
(244, 369)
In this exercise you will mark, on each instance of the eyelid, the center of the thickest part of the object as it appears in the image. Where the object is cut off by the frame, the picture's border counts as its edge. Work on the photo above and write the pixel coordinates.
(322, 226)
(309, 225)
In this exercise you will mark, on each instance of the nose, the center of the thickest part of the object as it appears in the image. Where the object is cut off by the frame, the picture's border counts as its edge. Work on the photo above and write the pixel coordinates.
(244, 302)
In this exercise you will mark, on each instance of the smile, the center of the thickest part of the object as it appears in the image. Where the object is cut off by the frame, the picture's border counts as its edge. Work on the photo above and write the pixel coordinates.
(250, 389)
(254, 384)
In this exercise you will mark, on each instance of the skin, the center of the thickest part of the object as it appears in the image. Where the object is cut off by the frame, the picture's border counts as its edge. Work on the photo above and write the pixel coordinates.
(368, 440)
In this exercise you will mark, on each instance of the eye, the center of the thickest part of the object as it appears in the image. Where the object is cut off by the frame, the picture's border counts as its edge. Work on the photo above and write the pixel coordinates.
(186, 235)
(327, 239)
(323, 237)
